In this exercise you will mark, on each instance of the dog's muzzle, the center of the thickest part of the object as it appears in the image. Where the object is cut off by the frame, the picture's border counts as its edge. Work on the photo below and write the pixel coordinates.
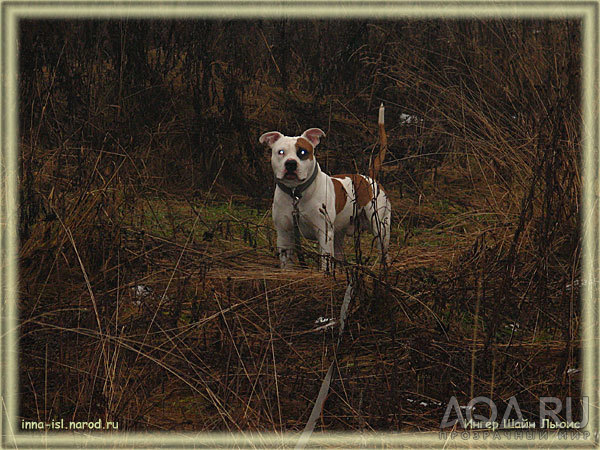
(290, 169)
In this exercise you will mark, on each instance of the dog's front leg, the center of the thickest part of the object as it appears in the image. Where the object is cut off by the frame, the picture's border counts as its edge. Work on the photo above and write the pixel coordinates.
(338, 246)
(285, 247)
(326, 246)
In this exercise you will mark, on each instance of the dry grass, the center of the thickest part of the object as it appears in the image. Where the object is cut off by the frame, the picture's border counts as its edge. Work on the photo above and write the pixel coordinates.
(225, 340)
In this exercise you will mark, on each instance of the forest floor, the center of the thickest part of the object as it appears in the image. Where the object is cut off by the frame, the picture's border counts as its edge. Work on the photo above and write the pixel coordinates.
(205, 332)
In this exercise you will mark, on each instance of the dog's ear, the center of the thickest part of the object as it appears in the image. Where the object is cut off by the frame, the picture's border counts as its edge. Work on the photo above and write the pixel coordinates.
(313, 135)
(270, 138)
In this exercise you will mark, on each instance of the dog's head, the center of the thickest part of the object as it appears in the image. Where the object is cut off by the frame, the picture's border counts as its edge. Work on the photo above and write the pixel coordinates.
(292, 158)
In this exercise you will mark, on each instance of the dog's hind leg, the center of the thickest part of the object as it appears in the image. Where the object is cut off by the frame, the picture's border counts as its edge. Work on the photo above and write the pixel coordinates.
(385, 231)
(379, 217)
(384, 237)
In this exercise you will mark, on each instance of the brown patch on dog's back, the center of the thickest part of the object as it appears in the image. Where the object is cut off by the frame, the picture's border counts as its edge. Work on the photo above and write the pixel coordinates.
(363, 189)
(303, 143)
(340, 195)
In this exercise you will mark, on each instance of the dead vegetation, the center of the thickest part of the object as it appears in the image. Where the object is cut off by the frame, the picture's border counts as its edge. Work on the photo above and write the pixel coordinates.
(149, 288)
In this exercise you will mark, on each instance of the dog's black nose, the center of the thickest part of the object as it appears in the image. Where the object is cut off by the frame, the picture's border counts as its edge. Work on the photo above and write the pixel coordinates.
(291, 165)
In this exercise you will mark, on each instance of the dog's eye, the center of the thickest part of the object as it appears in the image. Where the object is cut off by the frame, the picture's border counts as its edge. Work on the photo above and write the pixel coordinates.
(302, 152)
(281, 152)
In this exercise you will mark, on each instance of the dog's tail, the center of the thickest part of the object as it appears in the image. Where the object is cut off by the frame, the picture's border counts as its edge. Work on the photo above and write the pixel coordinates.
(376, 166)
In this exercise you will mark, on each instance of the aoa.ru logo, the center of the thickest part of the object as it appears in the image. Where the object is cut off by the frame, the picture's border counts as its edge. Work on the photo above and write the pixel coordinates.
(549, 410)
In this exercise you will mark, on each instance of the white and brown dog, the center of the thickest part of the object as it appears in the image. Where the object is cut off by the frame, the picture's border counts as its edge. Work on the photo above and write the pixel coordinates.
(328, 206)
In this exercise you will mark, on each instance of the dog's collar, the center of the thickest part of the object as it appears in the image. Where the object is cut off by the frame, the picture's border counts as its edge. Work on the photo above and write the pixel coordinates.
(296, 193)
